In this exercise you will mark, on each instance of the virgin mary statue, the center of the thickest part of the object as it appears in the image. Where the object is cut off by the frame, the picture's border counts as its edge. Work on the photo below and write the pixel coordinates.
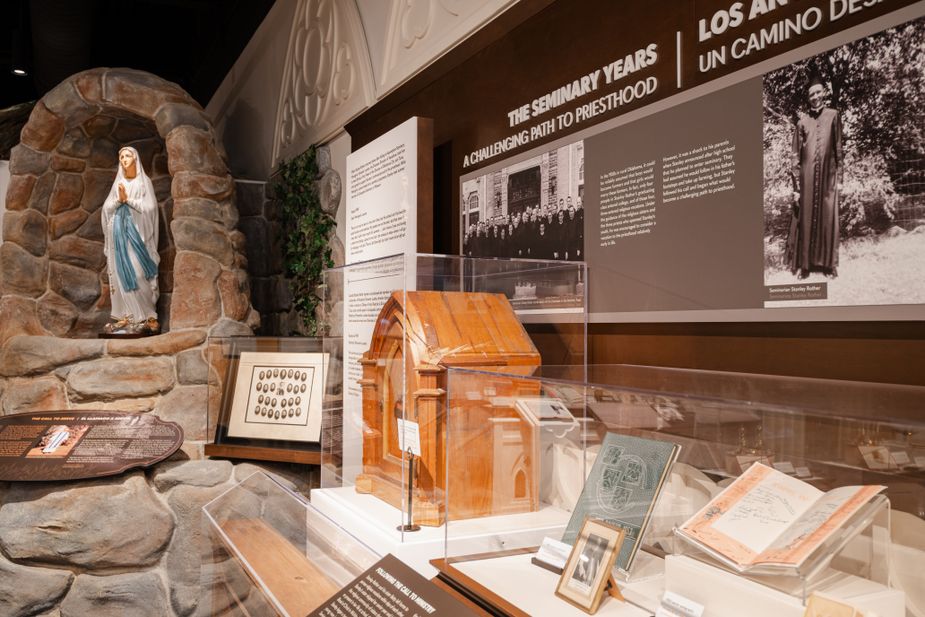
(130, 226)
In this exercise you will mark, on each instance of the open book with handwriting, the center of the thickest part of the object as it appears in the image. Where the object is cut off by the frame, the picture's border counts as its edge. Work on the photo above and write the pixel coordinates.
(767, 518)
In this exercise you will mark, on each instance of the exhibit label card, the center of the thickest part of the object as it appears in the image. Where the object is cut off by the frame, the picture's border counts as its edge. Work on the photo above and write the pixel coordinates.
(622, 488)
(677, 604)
(389, 587)
(553, 552)
(409, 436)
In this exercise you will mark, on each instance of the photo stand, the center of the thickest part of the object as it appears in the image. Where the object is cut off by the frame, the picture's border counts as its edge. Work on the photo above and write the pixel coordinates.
(286, 558)
(231, 381)
(410, 525)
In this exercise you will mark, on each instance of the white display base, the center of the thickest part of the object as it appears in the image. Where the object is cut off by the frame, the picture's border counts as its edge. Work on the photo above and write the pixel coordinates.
(728, 595)
(533, 589)
(374, 523)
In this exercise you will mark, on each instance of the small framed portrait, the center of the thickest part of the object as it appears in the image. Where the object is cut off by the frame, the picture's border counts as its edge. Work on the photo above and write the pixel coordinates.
(822, 606)
(875, 457)
(590, 564)
(263, 411)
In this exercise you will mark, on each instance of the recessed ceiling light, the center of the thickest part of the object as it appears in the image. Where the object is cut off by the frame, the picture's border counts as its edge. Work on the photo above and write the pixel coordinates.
(20, 72)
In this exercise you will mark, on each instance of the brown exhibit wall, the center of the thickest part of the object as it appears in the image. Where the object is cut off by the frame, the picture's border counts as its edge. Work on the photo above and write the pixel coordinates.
(425, 188)
(537, 46)
(883, 352)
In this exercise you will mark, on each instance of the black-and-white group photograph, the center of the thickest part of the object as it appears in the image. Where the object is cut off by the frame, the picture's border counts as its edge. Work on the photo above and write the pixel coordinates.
(530, 210)
(844, 171)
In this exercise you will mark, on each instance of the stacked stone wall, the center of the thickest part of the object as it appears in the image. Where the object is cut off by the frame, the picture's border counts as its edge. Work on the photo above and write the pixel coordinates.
(133, 544)
(166, 374)
(130, 545)
(264, 233)
(136, 545)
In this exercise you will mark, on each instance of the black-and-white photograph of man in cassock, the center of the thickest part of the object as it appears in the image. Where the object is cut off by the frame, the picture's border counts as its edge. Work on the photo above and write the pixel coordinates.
(529, 210)
(589, 563)
(812, 242)
(844, 173)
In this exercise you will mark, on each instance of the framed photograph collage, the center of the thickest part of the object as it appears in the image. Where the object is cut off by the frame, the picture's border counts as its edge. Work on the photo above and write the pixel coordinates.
(278, 396)
(271, 392)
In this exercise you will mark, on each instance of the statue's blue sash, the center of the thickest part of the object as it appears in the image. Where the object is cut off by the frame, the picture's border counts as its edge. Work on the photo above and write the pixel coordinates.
(125, 235)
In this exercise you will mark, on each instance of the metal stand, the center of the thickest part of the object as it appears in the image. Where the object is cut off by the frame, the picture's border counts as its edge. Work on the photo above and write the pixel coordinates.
(410, 526)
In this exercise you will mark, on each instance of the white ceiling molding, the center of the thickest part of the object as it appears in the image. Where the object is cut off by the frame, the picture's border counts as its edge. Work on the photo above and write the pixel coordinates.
(327, 78)
(420, 31)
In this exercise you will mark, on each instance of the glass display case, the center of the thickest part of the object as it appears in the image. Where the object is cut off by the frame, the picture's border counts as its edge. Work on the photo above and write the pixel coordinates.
(265, 398)
(273, 554)
(525, 456)
(580, 435)
(393, 327)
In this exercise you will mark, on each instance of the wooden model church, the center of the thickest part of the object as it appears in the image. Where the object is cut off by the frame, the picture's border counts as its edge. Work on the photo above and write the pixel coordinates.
(490, 449)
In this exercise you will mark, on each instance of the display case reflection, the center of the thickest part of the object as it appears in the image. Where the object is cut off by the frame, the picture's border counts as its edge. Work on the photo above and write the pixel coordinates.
(723, 438)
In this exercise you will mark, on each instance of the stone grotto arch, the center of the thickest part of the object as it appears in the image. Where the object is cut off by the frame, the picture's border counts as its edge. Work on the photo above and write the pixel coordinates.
(54, 297)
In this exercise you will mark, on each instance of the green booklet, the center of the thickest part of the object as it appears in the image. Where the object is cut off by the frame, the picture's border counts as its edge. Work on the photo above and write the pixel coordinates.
(621, 489)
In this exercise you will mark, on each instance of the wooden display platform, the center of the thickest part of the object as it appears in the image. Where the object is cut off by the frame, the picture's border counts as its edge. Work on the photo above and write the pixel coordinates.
(505, 604)
(473, 592)
(477, 609)
(257, 453)
(274, 564)
(277, 567)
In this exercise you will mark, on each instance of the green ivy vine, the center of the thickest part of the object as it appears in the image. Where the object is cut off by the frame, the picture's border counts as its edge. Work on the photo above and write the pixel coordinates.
(306, 230)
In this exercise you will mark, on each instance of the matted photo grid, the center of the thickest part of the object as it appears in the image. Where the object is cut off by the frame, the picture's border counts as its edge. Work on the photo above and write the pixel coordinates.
(279, 395)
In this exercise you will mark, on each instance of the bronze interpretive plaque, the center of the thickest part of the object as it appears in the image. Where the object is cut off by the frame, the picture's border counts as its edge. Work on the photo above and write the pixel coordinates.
(71, 445)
